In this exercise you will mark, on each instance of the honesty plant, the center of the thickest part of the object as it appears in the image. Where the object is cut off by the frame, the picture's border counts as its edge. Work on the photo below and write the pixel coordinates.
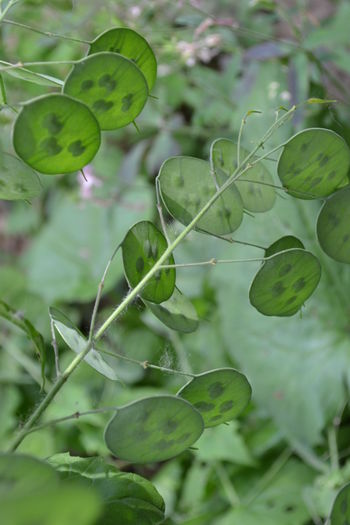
(60, 133)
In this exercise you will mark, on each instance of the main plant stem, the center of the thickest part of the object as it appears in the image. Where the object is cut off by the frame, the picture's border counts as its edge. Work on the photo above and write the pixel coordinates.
(135, 291)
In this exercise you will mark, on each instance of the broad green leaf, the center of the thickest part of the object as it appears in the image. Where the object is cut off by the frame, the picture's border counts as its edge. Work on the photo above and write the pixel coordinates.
(21, 474)
(219, 395)
(77, 241)
(281, 502)
(285, 282)
(333, 226)
(112, 86)
(224, 443)
(142, 247)
(128, 498)
(340, 514)
(282, 244)
(17, 180)
(153, 429)
(31, 76)
(256, 197)
(77, 342)
(314, 163)
(131, 45)
(31, 493)
(56, 134)
(178, 313)
(187, 184)
(14, 317)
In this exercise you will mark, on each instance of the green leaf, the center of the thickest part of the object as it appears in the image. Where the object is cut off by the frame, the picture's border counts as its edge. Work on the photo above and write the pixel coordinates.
(77, 342)
(56, 134)
(112, 86)
(13, 316)
(282, 244)
(187, 184)
(31, 76)
(20, 474)
(333, 226)
(77, 241)
(219, 395)
(256, 197)
(31, 492)
(177, 313)
(128, 498)
(131, 45)
(314, 163)
(285, 282)
(153, 429)
(340, 514)
(142, 247)
(17, 181)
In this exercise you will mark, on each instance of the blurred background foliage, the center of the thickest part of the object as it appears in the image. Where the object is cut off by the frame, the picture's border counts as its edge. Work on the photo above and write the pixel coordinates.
(216, 61)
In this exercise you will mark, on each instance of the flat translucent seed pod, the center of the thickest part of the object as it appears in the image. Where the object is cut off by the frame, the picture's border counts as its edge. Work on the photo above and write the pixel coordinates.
(219, 395)
(17, 180)
(56, 134)
(333, 226)
(340, 514)
(131, 45)
(77, 342)
(142, 247)
(187, 184)
(284, 282)
(253, 185)
(177, 313)
(314, 163)
(282, 244)
(153, 429)
(111, 85)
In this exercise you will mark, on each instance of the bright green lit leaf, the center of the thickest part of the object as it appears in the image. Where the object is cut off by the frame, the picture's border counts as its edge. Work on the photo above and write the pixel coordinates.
(131, 45)
(77, 342)
(285, 282)
(56, 134)
(112, 86)
(282, 244)
(178, 313)
(256, 197)
(142, 247)
(187, 184)
(153, 429)
(17, 181)
(314, 163)
(333, 226)
(340, 514)
(219, 395)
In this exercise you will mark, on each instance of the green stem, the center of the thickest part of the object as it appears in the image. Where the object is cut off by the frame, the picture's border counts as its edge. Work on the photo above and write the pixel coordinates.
(135, 291)
(20, 65)
(333, 448)
(76, 415)
(49, 397)
(211, 262)
(146, 364)
(7, 8)
(268, 477)
(45, 33)
(227, 484)
(99, 292)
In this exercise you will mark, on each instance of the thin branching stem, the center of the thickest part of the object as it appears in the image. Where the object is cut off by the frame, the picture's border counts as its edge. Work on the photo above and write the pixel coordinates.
(46, 33)
(146, 364)
(211, 262)
(136, 291)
